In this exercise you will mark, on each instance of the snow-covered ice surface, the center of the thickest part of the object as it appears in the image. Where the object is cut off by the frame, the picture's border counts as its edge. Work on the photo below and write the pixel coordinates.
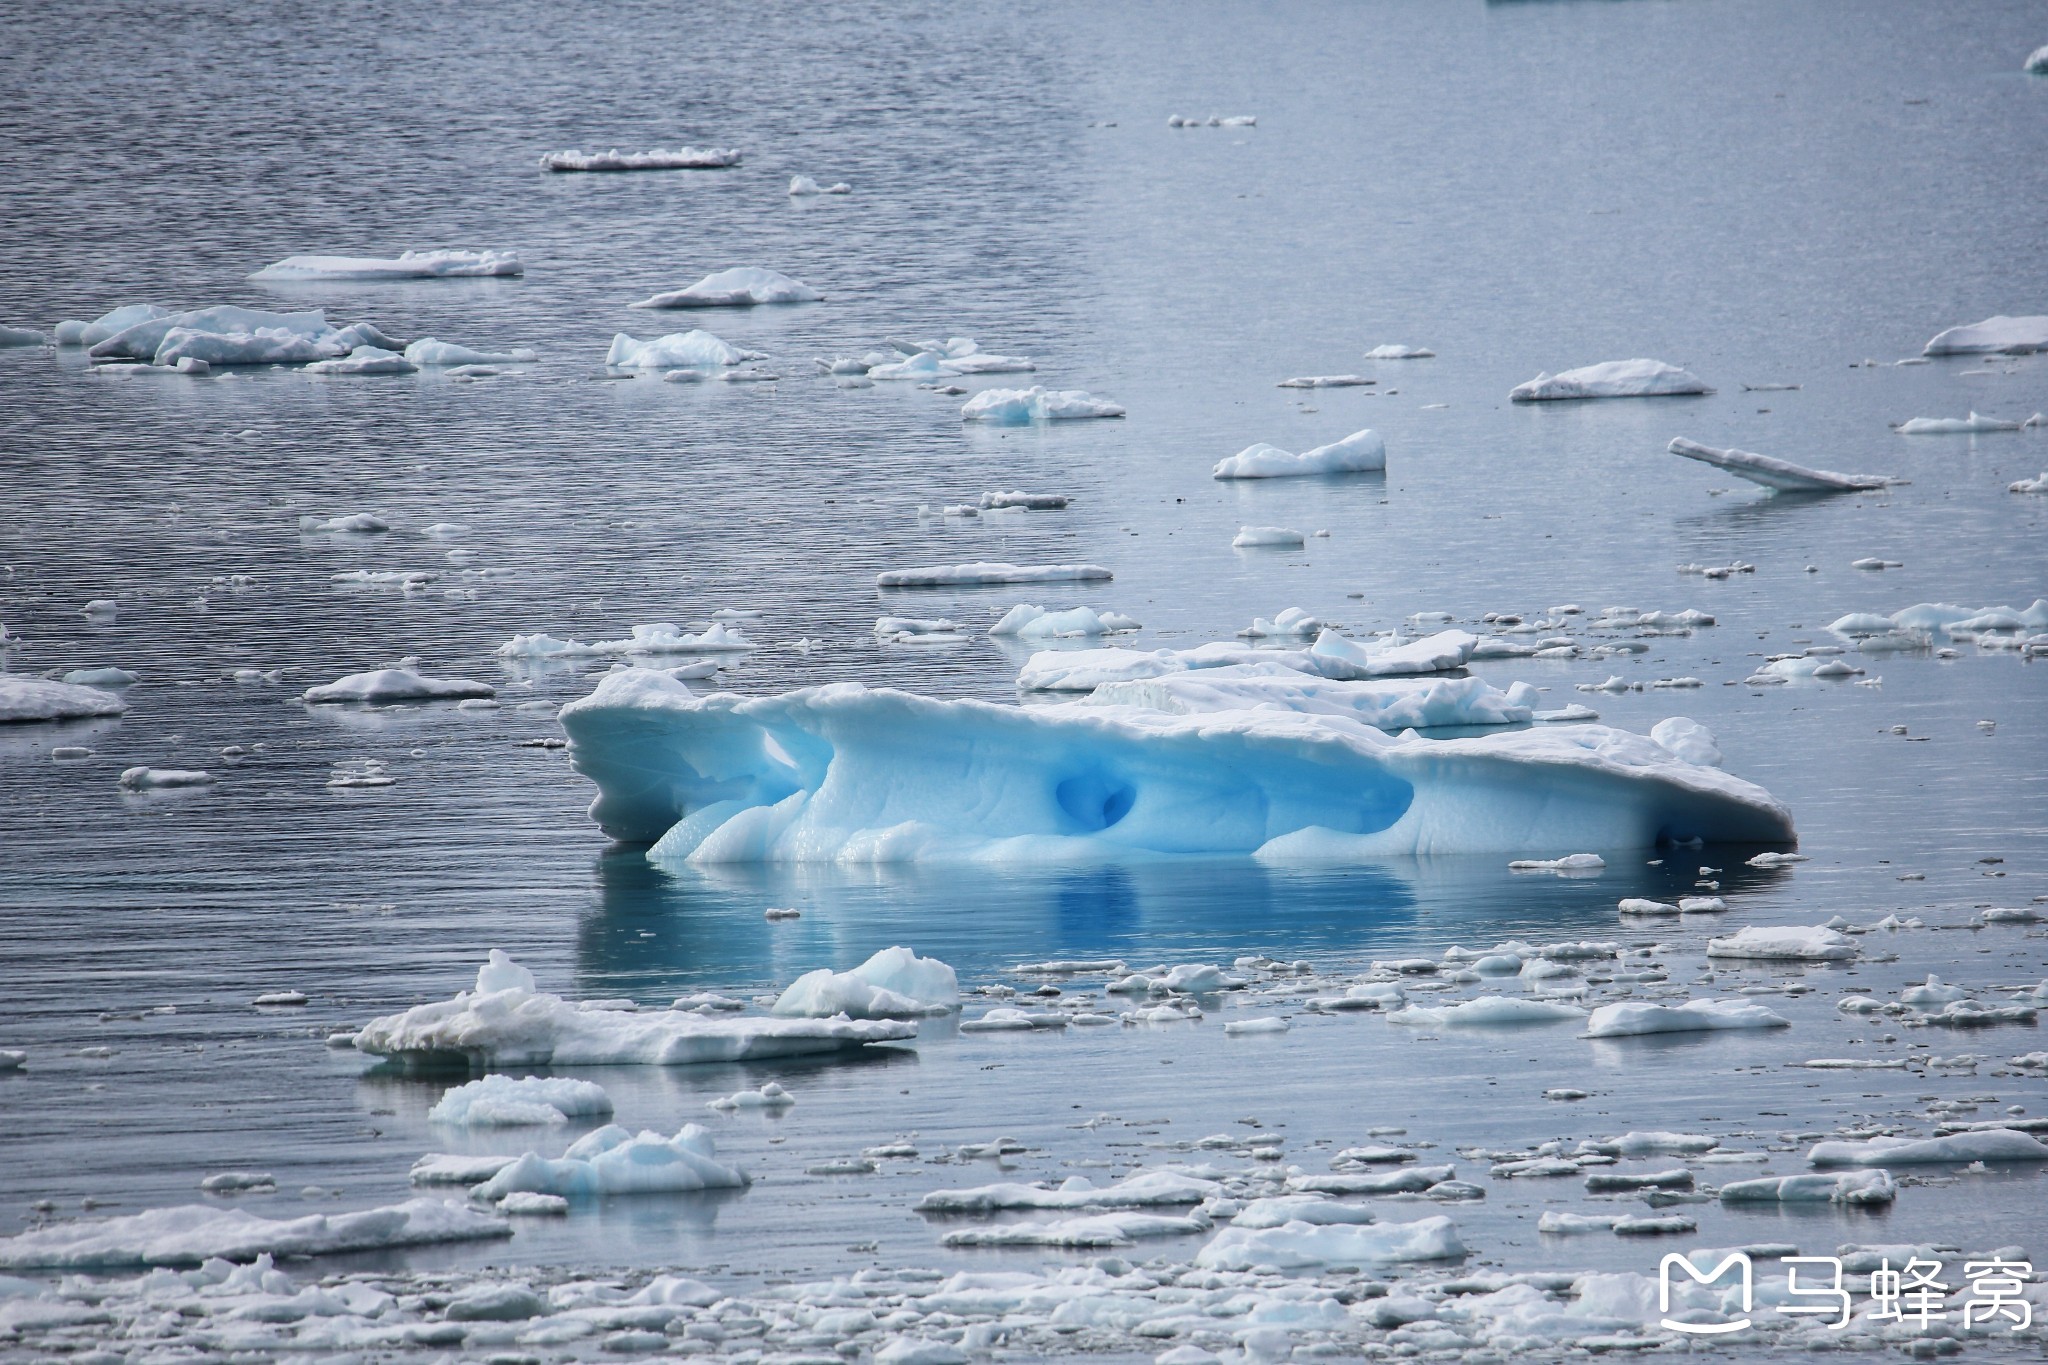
(406, 265)
(28, 698)
(1611, 379)
(1467, 194)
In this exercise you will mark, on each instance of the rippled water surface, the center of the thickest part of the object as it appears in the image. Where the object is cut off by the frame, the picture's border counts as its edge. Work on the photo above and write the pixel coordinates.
(1766, 194)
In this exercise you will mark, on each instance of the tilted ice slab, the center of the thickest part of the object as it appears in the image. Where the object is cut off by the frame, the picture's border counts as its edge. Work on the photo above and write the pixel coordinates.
(407, 265)
(1331, 656)
(846, 773)
(2002, 334)
(968, 575)
(1962, 426)
(1303, 1246)
(1632, 1019)
(695, 349)
(893, 984)
(659, 159)
(403, 682)
(514, 1102)
(192, 1233)
(27, 699)
(431, 351)
(1782, 475)
(614, 1161)
(506, 1022)
(1390, 704)
(741, 287)
(1014, 407)
(1358, 452)
(1614, 379)
(1849, 1187)
(1987, 1144)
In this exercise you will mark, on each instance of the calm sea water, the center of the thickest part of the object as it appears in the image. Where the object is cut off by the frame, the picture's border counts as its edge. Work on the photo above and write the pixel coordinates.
(1766, 194)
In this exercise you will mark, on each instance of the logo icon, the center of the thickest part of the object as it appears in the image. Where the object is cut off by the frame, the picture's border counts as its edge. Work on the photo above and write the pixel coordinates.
(1736, 1259)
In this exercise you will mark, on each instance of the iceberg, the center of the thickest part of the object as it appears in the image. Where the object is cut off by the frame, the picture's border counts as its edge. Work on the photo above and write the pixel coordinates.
(1634, 1019)
(1288, 621)
(2001, 335)
(1027, 622)
(1015, 407)
(193, 1233)
(893, 984)
(407, 265)
(30, 699)
(695, 349)
(365, 360)
(1395, 351)
(740, 287)
(659, 159)
(852, 774)
(505, 1021)
(1389, 704)
(430, 351)
(971, 575)
(1614, 379)
(1312, 1246)
(509, 1102)
(1963, 426)
(801, 185)
(1979, 1144)
(1030, 502)
(1779, 475)
(402, 682)
(1358, 452)
(1331, 656)
(614, 1161)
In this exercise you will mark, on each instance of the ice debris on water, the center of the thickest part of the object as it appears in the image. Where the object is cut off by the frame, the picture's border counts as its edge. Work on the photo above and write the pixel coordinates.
(1636, 1018)
(150, 779)
(1015, 407)
(24, 698)
(194, 1233)
(658, 637)
(1326, 381)
(433, 352)
(739, 287)
(613, 1161)
(222, 335)
(1974, 423)
(2001, 334)
(1570, 862)
(407, 265)
(365, 360)
(958, 575)
(23, 336)
(1267, 538)
(1778, 475)
(1026, 621)
(1360, 451)
(695, 349)
(524, 1101)
(1813, 943)
(895, 983)
(769, 1096)
(1213, 121)
(1396, 351)
(801, 185)
(1613, 379)
(1983, 1144)
(401, 682)
(2037, 484)
(656, 159)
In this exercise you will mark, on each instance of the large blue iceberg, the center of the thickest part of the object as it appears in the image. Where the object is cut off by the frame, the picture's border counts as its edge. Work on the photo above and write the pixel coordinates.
(1253, 765)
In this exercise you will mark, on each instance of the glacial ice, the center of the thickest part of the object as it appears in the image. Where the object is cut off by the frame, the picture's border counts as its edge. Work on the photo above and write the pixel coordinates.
(1613, 379)
(1303, 1246)
(1146, 1189)
(614, 1161)
(1268, 538)
(800, 185)
(1779, 475)
(22, 336)
(1633, 1018)
(229, 335)
(893, 984)
(1994, 336)
(430, 351)
(1331, 656)
(740, 287)
(659, 637)
(1396, 351)
(1287, 622)
(1813, 943)
(2037, 484)
(152, 779)
(1360, 451)
(658, 159)
(970, 575)
(925, 361)
(511, 1102)
(1687, 739)
(73, 332)
(193, 1233)
(1959, 426)
(695, 349)
(507, 1022)
(1091, 1230)
(1849, 1187)
(1028, 622)
(365, 360)
(2037, 64)
(1486, 1011)
(401, 682)
(407, 265)
(1326, 381)
(846, 773)
(1015, 407)
(23, 698)
(1982, 1144)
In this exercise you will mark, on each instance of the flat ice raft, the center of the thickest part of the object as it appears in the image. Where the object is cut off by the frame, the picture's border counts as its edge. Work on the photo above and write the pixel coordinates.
(407, 265)
(1614, 379)
(849, 774)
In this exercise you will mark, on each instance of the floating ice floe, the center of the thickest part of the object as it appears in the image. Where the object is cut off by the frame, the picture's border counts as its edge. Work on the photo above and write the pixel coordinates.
(24, 698)
(193, 1233)
(23, 336)
(1396, 351)
(1092, 1230)
(926, 361)
(847, 773)
(225, 335)
(512, 1102)
(1810, 943)
(101, 677)
(364, 360)
(1286, 623)
(1993, 336)
(401, 682)
(1983, 1144)
(1332, 656)
(74, 332)
(614, 1161)
(981, 573)
(2037, 65)
(152, 779)
(1614, 379)
(893, 984)
(1358, 452)
(1030, 502)
(1267, 538)
(1389, 704)
(1302, 1246)
(740, 287)
(1014, 407)
(1213, 121)
(505, 1021)
(906, 630)
(801, 185)
(1779, 475)
(1027, 622)
(1146, 1189)
(432, 352)
(407, 265)
(659, 637)
(1271, 1023)
(2037, 484)
(1326, 381)
(659, 159)
(1486, 1011)
(1849, 1187)
(352, 523)
(695, 349)
(1958, 426)
(1633, 1018)
(769, 1096)
(1571, 862)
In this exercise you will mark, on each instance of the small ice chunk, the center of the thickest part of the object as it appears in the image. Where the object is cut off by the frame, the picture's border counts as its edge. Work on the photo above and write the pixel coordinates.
(401, 682)
(430, 351)
(364, 360)
(238, 1182)
(1794, 943)
(657, 159)
(1396, 351)
(148, 779)
(1028, 622)
(1687, 739)
(893, 984)
(958, 575)
(1267, 537)
(1999, 335)
(694, 349)
(1487, 1011)
(1848, 1187)
(1778, 475)
(24, 699)
(801, 185)
(1360, 451)
(1958, 426)
(1635, 1018)
(1271, 1023)
(1613, 379)
(193, 1233)
(353, 523)
(1146, 1189)
(1309, 1246)
(1326, 381)
(508, 1102)
(1984, 1144)
(769, 1096)
(1571, 862)
(612, 1161)
(1014, 407)
(22, 336)
(100, 677)
(740, 287)
(408, 265)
